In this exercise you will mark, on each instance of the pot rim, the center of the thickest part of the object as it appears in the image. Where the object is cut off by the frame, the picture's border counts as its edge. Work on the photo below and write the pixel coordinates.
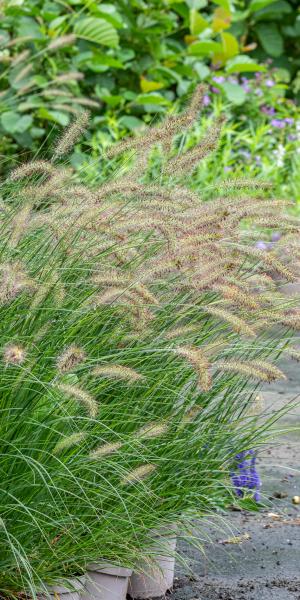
(109, 569)
(76, 584)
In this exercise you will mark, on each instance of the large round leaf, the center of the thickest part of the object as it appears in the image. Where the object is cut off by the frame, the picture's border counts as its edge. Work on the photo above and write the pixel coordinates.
(270, 38)
(97, 30)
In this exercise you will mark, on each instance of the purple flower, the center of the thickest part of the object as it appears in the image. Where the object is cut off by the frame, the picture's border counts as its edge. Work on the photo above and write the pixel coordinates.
(276, 236)
(215, 90)
(219, 78)
(278, 123)
(206, 100)
(270, 83)
(267, 110)
(246, 87)
(261, 245)
(289, 120)
(245, 476)
(291, 137)
(246, 154)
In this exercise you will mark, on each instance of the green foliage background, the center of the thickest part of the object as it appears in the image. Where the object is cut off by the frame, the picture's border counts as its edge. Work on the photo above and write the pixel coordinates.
(131, 60)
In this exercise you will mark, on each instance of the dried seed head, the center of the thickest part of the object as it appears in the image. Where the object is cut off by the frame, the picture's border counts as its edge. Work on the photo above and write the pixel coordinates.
(83, 397)
(199, 362)
(70, 358)
(182, 331)
(191, 414)
(117, 372)
(76, 129)
(23, 73)
(19, 226)
(71, 76)
(236, 295)
(152, 430)
(13, 281)
(62, 41)
(35, 167)
(249, 369)
(69, 441)
(20, 58)
(138, 474)
(238, 324)
(14, 354)
(105, 450)
(293, 353)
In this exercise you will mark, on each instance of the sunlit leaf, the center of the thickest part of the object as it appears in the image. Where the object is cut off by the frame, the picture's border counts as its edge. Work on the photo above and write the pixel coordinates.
(204, 48)
(98, 31)
(221, 19)
(259, 4)
(243, 64)
(150, 86)
(230, 45)
(197, 22)
(234, 93)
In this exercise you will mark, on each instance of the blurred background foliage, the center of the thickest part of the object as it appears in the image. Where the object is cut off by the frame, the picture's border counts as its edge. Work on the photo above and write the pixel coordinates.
(131, 60)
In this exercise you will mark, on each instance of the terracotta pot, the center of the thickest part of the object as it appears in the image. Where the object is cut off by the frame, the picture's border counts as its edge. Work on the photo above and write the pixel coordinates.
(156, 578)
(105, 582)
(61, 592)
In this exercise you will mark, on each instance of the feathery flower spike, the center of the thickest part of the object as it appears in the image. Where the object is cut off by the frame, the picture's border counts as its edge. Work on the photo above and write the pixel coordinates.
(199, 362)
(117, 372)
(105, 450)
(138, 474)
(83, 397)
(69, 441)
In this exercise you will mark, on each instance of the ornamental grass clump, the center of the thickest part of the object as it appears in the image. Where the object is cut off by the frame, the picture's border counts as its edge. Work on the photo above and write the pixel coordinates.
(136, 324)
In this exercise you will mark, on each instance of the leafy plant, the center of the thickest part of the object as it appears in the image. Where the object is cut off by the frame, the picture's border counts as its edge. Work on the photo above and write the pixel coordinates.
(127, 61)
(134, 321)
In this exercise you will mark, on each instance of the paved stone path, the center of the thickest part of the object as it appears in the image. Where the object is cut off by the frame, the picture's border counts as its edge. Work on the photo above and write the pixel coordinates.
(266, 566)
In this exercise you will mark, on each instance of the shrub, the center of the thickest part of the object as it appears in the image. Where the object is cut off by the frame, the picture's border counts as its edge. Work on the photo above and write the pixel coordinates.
(136, 325)
(128, 61)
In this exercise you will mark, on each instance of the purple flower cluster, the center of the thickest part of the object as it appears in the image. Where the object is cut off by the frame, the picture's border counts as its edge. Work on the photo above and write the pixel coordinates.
(245, 476)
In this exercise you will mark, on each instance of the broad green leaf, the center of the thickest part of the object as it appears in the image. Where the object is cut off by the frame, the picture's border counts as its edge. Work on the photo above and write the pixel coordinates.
(201, 69)
(131, 123)
(196, 4)
(230, 45)
(259, 4)
(100, 63)
(274, 11)
(110, 14)
(23, 123)
(8, 121)
(151, 99)
(224, 3)
(204, 48)
(55, 116)
(234, 93)
(28, 27)
(221, 19)
(197, 22)
(4, 38)
(14, 123)
(270, 38)
(243, 64)
(98, 31)
(112, 100)
(150, 86)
